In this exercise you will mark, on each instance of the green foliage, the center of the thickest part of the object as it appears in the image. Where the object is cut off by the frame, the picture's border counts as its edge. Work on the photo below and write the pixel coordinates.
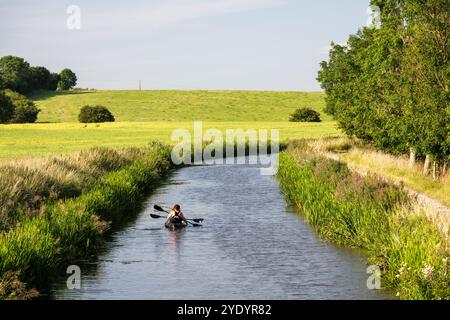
(109, 185)
(366, 212)
(95, 114)
(305, 115)
(24, 110)
(67, 80)
(6, 108)
(15, 73)
(41, 79)
(390, 86)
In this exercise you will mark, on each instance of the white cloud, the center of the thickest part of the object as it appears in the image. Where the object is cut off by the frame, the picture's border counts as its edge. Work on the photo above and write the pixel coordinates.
(173, 12)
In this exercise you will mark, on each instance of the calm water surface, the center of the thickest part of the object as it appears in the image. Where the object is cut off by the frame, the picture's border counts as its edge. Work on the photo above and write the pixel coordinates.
(251, 247)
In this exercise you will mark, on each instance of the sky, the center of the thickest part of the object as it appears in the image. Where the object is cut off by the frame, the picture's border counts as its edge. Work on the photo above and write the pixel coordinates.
(181, 44)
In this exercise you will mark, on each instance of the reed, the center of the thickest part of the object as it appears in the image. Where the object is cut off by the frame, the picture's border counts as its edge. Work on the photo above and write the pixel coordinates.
(369, 213)
(64, 226)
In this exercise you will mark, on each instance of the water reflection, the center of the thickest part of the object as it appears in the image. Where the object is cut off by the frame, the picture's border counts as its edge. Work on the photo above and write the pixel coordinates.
(252, 246)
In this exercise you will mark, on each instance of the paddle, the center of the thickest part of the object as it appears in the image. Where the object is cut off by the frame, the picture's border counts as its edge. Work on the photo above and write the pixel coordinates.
(155, 216)
(158, 208)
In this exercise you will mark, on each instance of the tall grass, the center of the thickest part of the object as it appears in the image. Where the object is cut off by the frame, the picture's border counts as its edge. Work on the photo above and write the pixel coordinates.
(67, 225)
(26, 184)
(369, 213)
(397, 168)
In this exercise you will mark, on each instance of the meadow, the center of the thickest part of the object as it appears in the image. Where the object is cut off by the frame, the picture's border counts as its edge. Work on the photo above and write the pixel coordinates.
(176, 106)
(42, 139)
(142, 116)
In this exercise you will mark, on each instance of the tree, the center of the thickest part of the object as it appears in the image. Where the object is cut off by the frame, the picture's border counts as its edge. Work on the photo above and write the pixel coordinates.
(390, 86)
(15, 73)
(6, 108)
(68, 80)
(53, 81)
(40, 78)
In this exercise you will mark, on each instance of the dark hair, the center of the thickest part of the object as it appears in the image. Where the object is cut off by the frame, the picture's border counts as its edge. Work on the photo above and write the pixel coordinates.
(177, 207)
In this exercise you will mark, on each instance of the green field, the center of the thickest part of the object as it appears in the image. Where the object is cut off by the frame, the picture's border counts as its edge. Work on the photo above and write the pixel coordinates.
(142, 116)
(142, 106)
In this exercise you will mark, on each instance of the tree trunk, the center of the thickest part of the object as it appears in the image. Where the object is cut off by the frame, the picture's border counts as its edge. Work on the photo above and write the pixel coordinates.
(426, 166)
(435, 173)
(444, 169)
(412, 158)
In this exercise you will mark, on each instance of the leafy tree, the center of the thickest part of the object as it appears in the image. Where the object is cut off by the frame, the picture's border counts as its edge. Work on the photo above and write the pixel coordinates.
(40, 78)
(95, 114)
(68, 80)
(390, 86)
(53, 81)
(15, 73)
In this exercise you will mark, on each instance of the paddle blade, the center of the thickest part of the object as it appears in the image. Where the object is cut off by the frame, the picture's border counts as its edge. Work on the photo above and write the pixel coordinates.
(158, 208)
(195, 224)
(155, 216)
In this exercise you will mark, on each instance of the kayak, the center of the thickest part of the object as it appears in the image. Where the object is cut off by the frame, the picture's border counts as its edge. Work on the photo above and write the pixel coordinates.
(175, 225)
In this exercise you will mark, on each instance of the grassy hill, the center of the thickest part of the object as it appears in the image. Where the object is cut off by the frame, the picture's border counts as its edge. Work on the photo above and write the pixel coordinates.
(142, 116)
(172, 105)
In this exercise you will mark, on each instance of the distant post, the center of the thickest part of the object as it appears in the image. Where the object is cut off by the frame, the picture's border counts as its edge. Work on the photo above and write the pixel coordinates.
(139, 85)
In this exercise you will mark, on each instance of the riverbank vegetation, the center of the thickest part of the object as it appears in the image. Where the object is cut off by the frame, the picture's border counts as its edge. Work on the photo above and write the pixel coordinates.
(410, 246)
(365, 159)
(55, 209)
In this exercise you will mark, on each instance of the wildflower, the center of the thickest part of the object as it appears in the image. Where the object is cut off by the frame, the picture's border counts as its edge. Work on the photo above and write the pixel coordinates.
(427, 271)
(401, 271)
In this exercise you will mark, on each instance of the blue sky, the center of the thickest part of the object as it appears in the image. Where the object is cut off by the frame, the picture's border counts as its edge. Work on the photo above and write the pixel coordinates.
(182, 44)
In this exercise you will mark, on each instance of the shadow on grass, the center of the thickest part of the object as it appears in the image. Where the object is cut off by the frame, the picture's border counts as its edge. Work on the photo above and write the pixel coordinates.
(42, 95)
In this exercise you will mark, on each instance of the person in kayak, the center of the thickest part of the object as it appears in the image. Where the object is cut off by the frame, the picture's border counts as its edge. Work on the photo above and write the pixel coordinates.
(176, 216)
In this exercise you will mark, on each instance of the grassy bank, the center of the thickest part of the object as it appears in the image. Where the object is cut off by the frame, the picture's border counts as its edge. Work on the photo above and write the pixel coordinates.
(369, 213)
(54, 210)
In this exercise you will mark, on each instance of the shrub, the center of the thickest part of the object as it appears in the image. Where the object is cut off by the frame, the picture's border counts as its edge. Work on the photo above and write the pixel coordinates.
(305, 115)
(95, 114)
(24, 110)
(6, 108)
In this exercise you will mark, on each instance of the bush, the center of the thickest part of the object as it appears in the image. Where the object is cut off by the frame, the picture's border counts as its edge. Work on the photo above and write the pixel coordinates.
(24, 110)
(305, 115)
(6, 108)
(95, 114)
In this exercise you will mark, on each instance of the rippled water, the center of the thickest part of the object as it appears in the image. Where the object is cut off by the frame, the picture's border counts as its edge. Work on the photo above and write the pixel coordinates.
(251, 247)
